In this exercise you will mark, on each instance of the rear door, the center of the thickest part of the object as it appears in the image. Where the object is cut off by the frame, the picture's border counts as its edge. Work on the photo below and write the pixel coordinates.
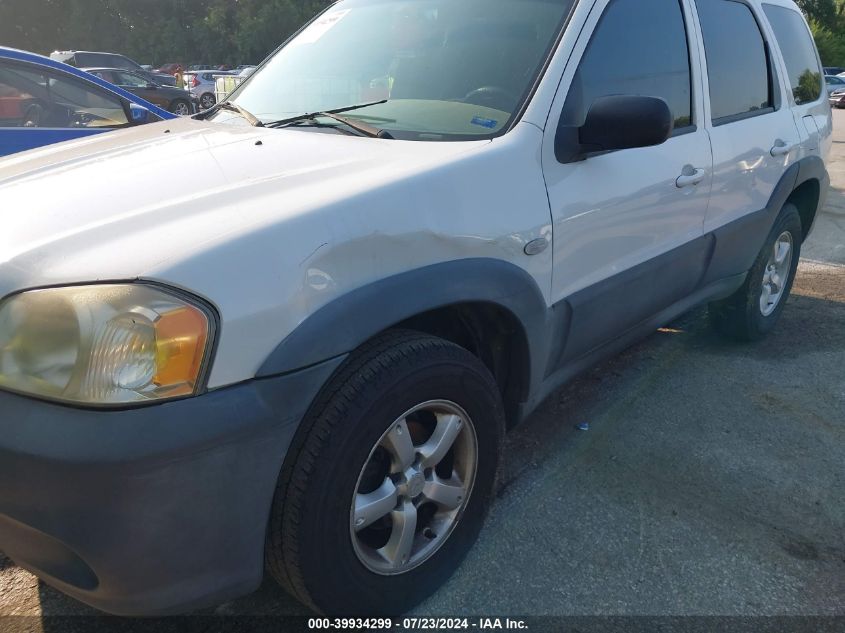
(751, 127)
(802, 68)
(628, 224)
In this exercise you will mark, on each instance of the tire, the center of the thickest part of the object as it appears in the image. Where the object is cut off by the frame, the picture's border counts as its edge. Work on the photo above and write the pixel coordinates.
(207, 101)
(742, 316)
(314, 548)
(181, 107)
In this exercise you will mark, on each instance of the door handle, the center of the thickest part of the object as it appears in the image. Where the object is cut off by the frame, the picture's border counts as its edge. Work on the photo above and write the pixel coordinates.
(781, 148)
(690, 177)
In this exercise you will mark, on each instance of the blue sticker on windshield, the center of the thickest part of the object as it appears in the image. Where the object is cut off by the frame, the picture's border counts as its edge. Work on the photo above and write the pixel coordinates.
(488, 123)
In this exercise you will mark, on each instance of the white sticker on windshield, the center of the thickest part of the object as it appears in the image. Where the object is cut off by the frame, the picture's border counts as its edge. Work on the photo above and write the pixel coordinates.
(322, 26)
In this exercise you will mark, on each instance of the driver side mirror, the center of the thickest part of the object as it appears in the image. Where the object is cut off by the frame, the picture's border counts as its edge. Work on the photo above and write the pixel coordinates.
(138, 114)
(613, 123)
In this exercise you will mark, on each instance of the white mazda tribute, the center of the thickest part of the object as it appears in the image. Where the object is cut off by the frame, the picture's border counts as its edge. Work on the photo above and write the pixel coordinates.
(415, 221)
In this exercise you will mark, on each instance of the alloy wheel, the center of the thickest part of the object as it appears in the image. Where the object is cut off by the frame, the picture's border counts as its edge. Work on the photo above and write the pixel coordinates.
(414, 487)
(776, 274)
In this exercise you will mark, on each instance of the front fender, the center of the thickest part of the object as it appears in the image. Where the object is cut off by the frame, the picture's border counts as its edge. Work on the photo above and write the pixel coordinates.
(344, 324)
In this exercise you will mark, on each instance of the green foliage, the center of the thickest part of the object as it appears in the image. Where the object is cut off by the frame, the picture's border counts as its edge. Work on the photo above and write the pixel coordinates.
(827, 21)
(156, 31)
(831, 45)
(232, 31)
(822, 11)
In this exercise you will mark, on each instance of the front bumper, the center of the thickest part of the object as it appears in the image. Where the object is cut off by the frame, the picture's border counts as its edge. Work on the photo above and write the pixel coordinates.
(148, 511)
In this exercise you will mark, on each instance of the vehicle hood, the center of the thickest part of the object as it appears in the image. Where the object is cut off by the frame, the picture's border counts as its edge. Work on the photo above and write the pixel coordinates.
(117, 206)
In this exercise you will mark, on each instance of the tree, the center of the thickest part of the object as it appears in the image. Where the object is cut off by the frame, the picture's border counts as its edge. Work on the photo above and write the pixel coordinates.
(156, 31)
(823, 12)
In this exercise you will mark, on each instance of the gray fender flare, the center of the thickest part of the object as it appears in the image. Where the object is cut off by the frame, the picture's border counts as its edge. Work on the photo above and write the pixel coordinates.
(350, 320)
(739, 243)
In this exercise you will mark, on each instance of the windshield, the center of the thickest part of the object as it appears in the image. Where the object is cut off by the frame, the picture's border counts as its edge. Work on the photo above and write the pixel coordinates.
(448, 69)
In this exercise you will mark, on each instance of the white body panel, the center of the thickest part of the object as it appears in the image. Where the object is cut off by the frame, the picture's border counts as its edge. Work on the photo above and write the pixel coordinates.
(744, 171)
(616, 210)
(271, 232)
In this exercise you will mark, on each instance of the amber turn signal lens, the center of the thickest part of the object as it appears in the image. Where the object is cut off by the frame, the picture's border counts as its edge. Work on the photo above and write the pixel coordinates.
(181, 337)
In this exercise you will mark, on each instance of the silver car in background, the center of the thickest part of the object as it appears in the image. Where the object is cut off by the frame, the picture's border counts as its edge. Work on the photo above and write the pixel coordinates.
(201, 85)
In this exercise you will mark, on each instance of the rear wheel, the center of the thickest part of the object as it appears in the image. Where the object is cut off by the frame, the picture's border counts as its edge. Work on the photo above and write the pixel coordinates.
(388, 481)
(753, 310)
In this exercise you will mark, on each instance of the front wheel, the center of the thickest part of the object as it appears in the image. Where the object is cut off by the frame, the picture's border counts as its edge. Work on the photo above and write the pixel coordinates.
(207, 101)
(182, 108)
(387, 483)
(753, 310)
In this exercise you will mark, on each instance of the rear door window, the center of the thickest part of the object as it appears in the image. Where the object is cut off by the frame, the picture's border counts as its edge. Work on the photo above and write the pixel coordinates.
(738, 61)
(799, 53)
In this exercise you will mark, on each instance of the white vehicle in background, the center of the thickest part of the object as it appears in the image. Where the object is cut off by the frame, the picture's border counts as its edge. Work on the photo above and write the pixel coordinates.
(201, 84)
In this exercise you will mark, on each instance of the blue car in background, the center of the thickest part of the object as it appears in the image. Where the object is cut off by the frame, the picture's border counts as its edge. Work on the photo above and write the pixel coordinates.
(44, 101)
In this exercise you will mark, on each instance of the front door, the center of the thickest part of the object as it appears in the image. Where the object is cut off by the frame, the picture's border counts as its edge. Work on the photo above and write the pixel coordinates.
(138, 85)
(40, 106)
(628, 238)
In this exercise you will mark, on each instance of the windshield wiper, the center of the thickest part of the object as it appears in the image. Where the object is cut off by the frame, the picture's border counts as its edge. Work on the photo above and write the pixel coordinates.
(357, 125)
(249, 116)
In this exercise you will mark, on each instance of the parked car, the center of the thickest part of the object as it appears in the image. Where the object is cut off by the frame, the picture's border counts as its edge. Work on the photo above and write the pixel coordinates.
(202, 85)
(43, 102)
(88, 59)
(833, 70)
(198, 67)
(307, 364)
(175, 100)
(247, 71)
(834, 83)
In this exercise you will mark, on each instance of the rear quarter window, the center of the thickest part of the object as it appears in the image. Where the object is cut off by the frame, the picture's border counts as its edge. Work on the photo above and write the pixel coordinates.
(799, 53)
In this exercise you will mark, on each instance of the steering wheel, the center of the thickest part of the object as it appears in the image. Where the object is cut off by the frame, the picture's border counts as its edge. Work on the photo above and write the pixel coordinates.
(33, 115)
(492, 97)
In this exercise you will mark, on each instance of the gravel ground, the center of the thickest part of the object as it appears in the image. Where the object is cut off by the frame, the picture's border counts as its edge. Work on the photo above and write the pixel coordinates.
(710, 482)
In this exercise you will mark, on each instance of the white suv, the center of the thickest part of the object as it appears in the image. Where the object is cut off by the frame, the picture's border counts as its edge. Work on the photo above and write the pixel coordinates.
(407, 228)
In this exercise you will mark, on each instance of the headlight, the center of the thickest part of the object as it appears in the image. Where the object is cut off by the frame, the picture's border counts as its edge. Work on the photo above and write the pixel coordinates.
(103, 345)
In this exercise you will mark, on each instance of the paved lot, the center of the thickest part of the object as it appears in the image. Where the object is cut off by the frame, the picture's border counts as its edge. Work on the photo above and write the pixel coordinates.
(711, 481)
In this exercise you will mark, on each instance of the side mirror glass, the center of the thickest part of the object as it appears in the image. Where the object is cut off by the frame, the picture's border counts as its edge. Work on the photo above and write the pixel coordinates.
(614, 123)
